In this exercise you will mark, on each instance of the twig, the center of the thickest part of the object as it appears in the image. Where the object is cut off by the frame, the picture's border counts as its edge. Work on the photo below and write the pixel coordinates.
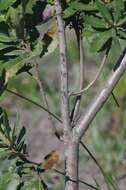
(78, 98)
(63, 66)
(81, 181)
(93, 81)
(96, 162)
(35, 103)
(123, 176)
(44, 98)
(100, 99)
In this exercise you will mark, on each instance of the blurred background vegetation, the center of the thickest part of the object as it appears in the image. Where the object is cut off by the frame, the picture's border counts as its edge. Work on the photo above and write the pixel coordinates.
(106, 137)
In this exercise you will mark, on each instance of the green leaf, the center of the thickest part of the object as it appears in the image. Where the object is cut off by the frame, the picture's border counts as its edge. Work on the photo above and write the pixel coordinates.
(37, 49)
(104, 11)
(78, 7)
(121, 34)
(96, 22)
(2, 82)
(5, 4)
(15, 52)
(119, 6)
(99, 40)
(122, 21)
(114, 51)
(21, 134)
(6, 124)
(14, 65)
(3, 46)
(15, 17)
(2, 18)
(6, 38)
(20, 146)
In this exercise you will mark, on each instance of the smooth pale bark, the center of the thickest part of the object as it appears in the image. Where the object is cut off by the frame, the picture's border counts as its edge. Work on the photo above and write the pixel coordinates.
(71, 158)
(72, 155)
(100, 99)
(63, 66)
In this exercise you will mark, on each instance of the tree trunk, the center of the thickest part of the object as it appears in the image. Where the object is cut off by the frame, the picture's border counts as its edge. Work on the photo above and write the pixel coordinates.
(72, 154)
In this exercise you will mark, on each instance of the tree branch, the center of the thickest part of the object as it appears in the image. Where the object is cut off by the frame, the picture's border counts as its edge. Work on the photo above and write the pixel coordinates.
(35, 103)
(63, 67)
(93, 81)
(96, 162)
(100, 99)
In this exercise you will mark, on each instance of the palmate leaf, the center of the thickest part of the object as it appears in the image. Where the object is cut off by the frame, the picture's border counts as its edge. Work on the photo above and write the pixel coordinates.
(119, 7)
(121, 34)
(104, 11)
(99, 40)
(114, 51)
(75, 6)
(96, 22)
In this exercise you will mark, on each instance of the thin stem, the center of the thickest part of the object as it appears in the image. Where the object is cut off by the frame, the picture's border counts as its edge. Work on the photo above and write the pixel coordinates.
(63, 66)
(35, 103)
(93, 81)
(96, 162)
(81, 181)
(43, 95)
(100, 99)
(122, 177)
(78, 98)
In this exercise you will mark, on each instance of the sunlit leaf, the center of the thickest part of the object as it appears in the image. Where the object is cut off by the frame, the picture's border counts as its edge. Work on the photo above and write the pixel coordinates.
(15, 52)
(6, 38)
(5, 4)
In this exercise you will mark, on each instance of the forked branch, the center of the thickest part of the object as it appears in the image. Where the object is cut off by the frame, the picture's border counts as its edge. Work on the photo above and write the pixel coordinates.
(100, 99)
(63, 66)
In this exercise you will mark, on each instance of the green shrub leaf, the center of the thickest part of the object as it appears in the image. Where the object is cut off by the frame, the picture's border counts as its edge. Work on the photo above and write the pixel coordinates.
(104, 11)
